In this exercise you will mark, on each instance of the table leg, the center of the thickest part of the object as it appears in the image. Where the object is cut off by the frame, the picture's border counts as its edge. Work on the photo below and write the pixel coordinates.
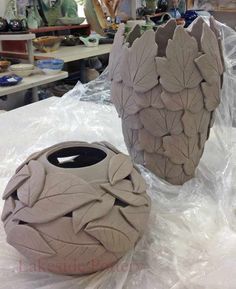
(30, 51)
(35, 94)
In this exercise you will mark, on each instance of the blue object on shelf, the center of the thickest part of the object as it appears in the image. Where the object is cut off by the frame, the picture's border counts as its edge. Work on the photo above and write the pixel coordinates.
(190, 16)
(54, 64)
(9, 80)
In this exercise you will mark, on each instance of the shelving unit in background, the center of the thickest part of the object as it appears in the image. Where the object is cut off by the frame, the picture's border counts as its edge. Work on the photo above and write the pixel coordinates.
(32, 81)
(9, 47)
(21, 37)
(83, 29)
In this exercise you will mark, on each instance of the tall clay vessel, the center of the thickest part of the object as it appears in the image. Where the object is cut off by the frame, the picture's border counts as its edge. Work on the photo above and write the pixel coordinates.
(166, 86)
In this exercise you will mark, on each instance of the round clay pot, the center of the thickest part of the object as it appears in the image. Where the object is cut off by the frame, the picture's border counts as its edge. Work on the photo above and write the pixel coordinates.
(166, 86)
(75, 207)
(162, 5)
(3, 25)
(16, 25)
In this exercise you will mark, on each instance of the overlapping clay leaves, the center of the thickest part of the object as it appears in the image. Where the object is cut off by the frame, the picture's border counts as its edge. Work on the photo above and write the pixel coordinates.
(59, 215)
(166, 93)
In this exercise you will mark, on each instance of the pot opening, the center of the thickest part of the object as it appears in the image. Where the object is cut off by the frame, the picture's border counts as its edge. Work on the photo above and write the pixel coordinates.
(76, 157)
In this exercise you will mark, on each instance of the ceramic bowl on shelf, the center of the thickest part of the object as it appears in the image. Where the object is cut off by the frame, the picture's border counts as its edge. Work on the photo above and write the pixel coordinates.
(47, 43)
(10, 80)
(3, 25)
(70, 40)
(90, 41)
(22, 70)
(71, 20)
(4, 64)
(50, 66)
(17, 25)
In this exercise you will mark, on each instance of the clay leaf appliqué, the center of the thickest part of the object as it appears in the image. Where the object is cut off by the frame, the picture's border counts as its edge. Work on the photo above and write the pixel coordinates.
(211, 95)
(178, 71)
(148, 142)
(163, 34)
(8, 208)
(92, 211)
(123, 99)
(138, 223)
(16, 181)
(196, 123)
(123, 192)
(182, 150)
(60, 235)
(63, 198)
(29, 242)
(113, 232)
(31, 189)
(114, 60)
(188, 99)
(120, 167)
(138, 68)
(139, 184)
(210, 63)
(164, 121)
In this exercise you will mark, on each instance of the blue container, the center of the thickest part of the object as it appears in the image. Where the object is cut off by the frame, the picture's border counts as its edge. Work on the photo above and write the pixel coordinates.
(190, 16)
(50, 66)
(9, 80)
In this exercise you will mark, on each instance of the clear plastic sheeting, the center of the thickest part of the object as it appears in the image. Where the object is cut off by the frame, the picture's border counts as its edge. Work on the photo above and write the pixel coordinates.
(97, 91)
(190, 242)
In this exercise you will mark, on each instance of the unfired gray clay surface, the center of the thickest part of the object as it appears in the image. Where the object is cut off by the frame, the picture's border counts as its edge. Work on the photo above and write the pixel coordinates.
(166, 87)
(76, 207)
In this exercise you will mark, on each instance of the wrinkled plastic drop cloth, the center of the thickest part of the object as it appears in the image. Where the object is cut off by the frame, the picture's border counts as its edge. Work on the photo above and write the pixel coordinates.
(190, 242)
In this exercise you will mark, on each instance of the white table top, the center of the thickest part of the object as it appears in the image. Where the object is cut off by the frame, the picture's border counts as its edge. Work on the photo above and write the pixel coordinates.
(72, 53)
(49, 121)
(53, 120)
(32, 81)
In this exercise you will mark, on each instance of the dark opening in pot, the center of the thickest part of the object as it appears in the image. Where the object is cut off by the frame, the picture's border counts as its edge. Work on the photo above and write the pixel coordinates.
(76, 157)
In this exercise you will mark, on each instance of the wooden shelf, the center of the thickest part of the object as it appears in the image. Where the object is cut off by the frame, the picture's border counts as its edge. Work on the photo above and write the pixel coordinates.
(66, 53)
(72, 53)
(225, 10)
(32, 81)
(59, 28)
(16, 37)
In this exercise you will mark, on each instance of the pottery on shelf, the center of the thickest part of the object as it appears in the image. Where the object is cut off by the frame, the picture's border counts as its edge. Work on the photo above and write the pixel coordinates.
(17, 25)
(31, 19)
(50, 66)
(47, 43)
(190, 16)
(22, 70)
(162, 5)
(76, 207)
(51, 13)
(34, 19)
(69, 9)
(90, 41)
(95, 16)
(70, 40)
(3, 25)
(10, 80)
(4, 64)
(151, 5)
(166, 86)
(71, 20)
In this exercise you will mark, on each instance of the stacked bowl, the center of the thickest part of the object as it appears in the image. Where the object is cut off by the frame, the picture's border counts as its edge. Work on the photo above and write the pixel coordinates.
(50, 66)
(22, 70)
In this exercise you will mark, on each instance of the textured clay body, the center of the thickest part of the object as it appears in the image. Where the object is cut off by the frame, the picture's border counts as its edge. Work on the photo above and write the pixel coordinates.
(166, 87)
(75, 207)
